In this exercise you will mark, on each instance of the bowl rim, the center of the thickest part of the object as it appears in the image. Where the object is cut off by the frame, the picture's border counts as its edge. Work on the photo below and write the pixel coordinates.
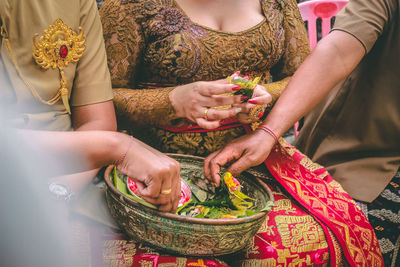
(172, 216)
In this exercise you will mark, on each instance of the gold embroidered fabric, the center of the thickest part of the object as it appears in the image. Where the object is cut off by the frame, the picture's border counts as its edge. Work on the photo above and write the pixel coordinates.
(154, 44)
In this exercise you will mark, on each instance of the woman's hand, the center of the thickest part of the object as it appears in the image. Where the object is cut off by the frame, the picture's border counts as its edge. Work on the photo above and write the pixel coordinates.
(245, 152)
(260, 98)
(156, 175)
(194, 101)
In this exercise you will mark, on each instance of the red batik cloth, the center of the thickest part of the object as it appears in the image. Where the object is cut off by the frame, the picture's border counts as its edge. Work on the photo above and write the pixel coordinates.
(111, 249)
(315, 190)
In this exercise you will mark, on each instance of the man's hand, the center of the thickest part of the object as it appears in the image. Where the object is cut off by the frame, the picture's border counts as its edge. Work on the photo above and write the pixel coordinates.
(245, 152)
(156, 175)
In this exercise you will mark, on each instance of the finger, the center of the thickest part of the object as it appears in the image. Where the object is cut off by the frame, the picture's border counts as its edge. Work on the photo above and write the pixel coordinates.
(155, 201)
(166, 186)
(243, 163)
(244, 118)
(260, 100)
(223, 157)
(171, 203)
(161, 200)
(205, 124)
(260, 90)
(220, 114)
(220, 81)
(216, 101)
(223, 100)
(206, 165)
(245, 107)
(176, 197)
(151, 187)
(209, 89)
(166, 207)
(175, 189)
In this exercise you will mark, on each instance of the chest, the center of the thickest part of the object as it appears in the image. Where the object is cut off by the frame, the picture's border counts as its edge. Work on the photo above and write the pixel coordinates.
(222, 15)
(180, 50)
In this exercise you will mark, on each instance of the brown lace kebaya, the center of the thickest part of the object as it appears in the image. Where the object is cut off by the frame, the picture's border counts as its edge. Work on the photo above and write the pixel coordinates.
(153, 46)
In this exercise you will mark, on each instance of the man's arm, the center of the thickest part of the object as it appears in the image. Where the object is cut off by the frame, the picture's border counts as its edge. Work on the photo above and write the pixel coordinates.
(333, 59)
(84, 150)
(100, 116)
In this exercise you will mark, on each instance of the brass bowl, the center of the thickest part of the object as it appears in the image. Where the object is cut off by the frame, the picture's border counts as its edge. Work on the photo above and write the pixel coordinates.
(185, 235)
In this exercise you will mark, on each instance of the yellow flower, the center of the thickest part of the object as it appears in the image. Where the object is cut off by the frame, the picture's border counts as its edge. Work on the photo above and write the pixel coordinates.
(231, 182)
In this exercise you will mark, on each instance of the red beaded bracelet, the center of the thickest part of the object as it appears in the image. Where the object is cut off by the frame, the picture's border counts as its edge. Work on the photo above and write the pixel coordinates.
(269, 131)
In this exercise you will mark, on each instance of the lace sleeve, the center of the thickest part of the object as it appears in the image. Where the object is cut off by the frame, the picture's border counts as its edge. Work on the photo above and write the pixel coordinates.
(125, 42)
(275, 88)
(296, 47)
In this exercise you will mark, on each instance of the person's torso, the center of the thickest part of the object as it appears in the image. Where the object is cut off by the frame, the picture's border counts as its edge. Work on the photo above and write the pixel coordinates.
(179, 51)
(22, 20)
(355, 130)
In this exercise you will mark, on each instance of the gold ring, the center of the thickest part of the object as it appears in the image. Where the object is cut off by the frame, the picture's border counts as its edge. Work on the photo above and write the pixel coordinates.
(205, 113)
(166, 191)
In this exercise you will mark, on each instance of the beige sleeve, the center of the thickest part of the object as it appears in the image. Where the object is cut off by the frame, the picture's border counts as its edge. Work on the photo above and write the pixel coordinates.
(92, 82)
(366, 20)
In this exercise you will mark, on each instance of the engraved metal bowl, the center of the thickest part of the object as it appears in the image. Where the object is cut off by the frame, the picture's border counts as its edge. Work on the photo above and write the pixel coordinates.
(186, 235)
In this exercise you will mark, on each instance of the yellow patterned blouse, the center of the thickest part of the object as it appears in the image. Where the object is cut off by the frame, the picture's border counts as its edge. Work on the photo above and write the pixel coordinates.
(153, 46)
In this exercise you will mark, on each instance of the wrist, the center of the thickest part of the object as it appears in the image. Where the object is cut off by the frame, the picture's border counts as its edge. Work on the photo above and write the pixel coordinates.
(122, 157)
(121, 144)
(173, 98)
(114, 147)
(268, 131)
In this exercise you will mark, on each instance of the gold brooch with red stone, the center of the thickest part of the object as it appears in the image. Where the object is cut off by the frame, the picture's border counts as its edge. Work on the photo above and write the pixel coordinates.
(57, 47)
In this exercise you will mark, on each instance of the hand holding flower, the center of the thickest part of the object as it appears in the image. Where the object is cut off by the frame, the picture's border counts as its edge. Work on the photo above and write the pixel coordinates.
(255, 98)
(195, 102)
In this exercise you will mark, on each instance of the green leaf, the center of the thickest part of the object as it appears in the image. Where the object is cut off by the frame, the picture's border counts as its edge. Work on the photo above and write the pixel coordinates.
(118, 183)
(250, 212)
(184, 205)
(125, 190)
(199, 193)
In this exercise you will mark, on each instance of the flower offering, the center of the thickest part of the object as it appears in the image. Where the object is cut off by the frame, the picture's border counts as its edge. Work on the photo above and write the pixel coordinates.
(247, 84)
(227, 202)
(199, 200)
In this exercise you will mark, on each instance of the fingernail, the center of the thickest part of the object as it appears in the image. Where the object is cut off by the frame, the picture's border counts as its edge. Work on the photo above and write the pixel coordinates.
(252, 101)
(261, 114)
(236, 88)
(237, 110)
(243, 98)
